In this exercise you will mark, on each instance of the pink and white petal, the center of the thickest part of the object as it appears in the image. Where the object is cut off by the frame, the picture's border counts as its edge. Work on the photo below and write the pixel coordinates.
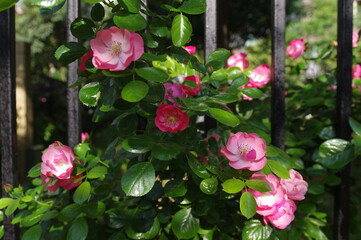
(138, 48)
(257, 165)
(106, 36)
(241, 164)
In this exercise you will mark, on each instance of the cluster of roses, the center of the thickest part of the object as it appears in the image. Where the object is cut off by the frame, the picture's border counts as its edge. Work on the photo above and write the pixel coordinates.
(57, 168)
(248, 151)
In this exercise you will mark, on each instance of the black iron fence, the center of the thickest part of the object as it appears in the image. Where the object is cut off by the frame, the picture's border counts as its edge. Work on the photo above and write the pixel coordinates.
(344, 78)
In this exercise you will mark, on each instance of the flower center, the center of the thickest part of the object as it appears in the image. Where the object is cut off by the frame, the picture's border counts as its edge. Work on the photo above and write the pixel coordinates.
(116, 48)
(60, 162)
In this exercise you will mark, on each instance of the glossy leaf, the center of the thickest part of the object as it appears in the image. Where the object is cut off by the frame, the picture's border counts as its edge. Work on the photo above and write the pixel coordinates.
(278, 169)
(92, 1)
(159, 28)
(4, 202)
(181, 30)
(184, 224)
(97, 172)
(255, 230)
(197, 167)
(150, 234)
(78, 230)
(82, 193)
(252, 92)
(130, 21)
(132, 6)
(258, 185)
(89, 94)
(70, 212)
(31, 219)
(5, 4)
(69, 52)
(82, 28)
(175, 188)
(152, 74)
(209, 185)
(98, 12)
(33, 233)
(46, 3)
(232, 186)
(95, 209)
(335, 153)
(138, 180)
(355, 125)
(193, 6)
(224, 117)
(247, 205)
(219, 55)
(165, 151)
(35, 171)
(135, 91)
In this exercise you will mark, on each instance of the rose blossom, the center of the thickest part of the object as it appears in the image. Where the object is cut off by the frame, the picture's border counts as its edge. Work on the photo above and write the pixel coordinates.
(283, 214)
(171, 119)
(192, 90)
(57, 160)
(295, 186)
(52, 186)
(84, 136)
(245, 151)
(356, 71)
(67, 184)
(259, 76)
(116, 48)
(173, 91)
(267, 201)
(190, 49)
(238, 60)
(354, 39)
(295, 48)
(84, 59)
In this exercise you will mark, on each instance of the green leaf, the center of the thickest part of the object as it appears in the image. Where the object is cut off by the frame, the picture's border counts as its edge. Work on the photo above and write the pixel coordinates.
(132, 6)
(278, 169)
(255, 230)
(92, 1)
(152, 74)
(5, 4)
(69, 52)
(33, 233)
(232, 186)
(193, 6)
(138, 180)
(35, 171)
(197, 167)
(165, 151)
(78, 230)
(4, 202)
(97, 13)
(97, 172)
(82, 193)
(150, 234)
(181, 30)
(175, 188)
(247, 205)
(130, 21)
(158, 28)
(335, 153)
(258, 185)
(252, 92)
(82, 28)
(46, 3)
(31, 219)
(184, 225)
(219, 55)
(82, 149)
(95, 209)
(89, 94)
(224, 117)
(209, 185)
(355, 125)
(12, 206)
(70, 212)
(135, 91)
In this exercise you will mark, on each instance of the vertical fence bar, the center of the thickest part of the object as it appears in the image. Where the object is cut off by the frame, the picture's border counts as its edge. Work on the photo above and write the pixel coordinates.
(74, 125)
(7, 106)
(210, 27)
(343, 111)
(278, 73)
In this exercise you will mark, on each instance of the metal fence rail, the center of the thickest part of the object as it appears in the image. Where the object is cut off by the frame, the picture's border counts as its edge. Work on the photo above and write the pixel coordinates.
(344, 64)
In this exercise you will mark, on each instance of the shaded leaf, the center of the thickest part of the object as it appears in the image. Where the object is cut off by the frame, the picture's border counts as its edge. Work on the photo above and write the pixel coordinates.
(138, 180)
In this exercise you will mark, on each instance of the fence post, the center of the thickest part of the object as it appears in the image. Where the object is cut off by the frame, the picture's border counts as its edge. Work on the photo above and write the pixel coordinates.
(343, 111)
(7, 107)
(278, 73)
(74, 125)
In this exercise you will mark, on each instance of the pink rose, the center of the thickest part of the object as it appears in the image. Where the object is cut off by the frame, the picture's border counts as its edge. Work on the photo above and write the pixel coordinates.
(52, 186)
(84, 59)
(171, 119)
(295, 186)
(356, 71)
(245, 151)
(238, 60)
(295, 48)
(84, 136)
(333, 87)
(259, 76)
(192, 90)
(116, 48)
(354, 39)
(190, 49)
(173, 91)
(70, 183)
(283, 214)
(267, 201)
(57, 160)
